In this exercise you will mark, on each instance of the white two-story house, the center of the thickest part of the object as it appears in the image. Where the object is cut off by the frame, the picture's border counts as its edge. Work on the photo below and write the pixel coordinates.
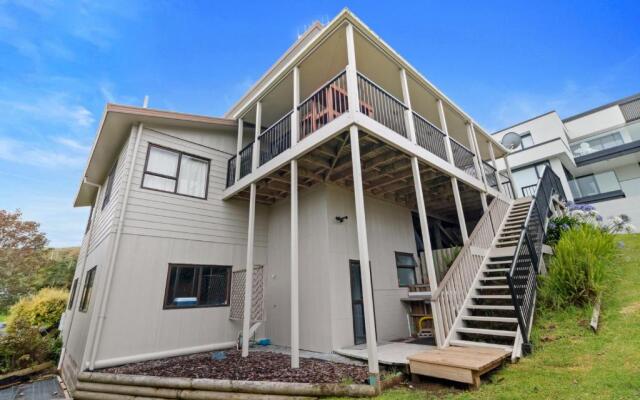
(342, 155)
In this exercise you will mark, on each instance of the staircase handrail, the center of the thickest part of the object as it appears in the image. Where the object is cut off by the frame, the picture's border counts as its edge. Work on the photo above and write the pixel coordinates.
(522, 275)
(450, 295)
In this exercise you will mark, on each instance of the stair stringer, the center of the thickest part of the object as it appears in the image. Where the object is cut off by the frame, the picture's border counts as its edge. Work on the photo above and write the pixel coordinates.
(453, 333)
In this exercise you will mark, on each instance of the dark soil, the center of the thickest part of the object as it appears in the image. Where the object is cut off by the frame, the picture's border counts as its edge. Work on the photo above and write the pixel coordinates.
(259, 366)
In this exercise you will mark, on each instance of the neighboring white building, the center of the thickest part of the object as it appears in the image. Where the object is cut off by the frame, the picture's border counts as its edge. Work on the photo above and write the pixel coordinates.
(596, 154)
(341, 155)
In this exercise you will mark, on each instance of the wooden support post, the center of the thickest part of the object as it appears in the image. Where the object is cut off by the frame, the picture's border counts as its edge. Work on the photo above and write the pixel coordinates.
(477, 161)
(255, 162)
(408, 113)
(426, 240)
(511, 181)
(295, 316)
(295, 115)
(248, 282)
(460, 211)
(238, 148)
(363, 249)
(492, 154)
(352, 71)
(445, 130)
(454, 181)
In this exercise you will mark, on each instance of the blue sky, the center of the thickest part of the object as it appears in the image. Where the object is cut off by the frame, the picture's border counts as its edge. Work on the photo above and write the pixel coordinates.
(60, 62)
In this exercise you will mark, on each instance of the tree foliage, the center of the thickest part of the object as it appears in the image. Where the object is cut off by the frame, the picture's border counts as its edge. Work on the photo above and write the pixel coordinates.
(23, 251)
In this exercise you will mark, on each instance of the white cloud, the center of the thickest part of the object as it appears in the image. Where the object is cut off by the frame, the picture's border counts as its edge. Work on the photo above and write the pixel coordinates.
(55, 107)
(31, 154)
(72, 144)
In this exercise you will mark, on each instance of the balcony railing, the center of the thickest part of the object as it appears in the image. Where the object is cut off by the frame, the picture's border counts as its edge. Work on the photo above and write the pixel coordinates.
(331, 101)
(381, 106)
(323, 106)
(246, 159)
(529, 190)
(231, 171)
(490, 174)
(429, 136)
(463, 158)
(275, 139)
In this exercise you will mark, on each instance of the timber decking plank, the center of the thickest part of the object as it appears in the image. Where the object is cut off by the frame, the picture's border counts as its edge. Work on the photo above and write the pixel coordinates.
(474, 359)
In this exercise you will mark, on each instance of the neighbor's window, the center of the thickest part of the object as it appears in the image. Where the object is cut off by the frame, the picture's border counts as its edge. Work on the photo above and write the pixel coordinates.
(109, 186)
(197, 286)
(72, 295)
(406, 266)
(88, 288)
(527, 141)
(176, 172)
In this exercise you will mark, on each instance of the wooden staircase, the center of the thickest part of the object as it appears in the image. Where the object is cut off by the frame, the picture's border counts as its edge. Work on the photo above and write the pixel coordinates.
(488, 317)
(486, 300)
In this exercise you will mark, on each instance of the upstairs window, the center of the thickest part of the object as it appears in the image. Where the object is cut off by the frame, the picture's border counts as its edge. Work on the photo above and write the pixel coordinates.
(406, 268)
(88, 288)
(109, 185)
(173, 171)
(197, 286)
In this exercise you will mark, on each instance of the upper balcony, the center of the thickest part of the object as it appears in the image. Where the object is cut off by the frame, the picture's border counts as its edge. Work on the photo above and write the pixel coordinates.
(605, 145)
(312, 102)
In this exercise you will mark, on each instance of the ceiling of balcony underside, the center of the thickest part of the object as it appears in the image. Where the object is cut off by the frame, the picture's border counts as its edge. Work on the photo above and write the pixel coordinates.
(386, 172)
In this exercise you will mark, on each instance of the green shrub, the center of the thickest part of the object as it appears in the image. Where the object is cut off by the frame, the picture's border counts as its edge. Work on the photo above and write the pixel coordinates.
(24, 346)
(44, 309)
(578, 269)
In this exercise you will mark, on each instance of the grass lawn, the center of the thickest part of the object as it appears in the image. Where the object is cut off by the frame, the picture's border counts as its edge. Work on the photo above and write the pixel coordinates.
(569, 360)
(3, 317)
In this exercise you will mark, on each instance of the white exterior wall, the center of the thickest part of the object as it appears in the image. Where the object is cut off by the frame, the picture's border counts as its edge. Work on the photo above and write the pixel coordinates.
(162, 228)
(597, 121)
(326, 246)
(96, 246)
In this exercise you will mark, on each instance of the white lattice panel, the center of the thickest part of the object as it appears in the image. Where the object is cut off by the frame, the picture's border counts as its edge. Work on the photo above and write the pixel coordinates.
(257, 298)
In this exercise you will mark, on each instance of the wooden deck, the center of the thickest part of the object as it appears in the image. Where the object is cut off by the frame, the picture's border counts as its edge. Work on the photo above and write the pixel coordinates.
(460, 364)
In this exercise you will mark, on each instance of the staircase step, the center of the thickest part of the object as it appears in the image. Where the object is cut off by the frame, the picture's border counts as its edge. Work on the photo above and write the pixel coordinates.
(484, 307)
(497, 270)
(491, 296)
(490, 319)
(489, 332)
(495, 287)
(469, 343)
(509, 235)
(494, 278)
(496, 262)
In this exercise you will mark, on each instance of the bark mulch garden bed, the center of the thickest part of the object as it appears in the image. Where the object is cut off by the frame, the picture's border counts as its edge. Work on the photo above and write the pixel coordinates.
(258, 366)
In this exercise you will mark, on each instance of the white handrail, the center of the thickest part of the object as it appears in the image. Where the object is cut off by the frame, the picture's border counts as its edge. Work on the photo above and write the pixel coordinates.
(448, 299)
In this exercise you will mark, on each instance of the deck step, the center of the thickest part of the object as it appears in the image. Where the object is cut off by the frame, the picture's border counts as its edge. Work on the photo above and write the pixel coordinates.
(496, 262)
(484, 307)
(488, 332)
(490, 319)
(469, 343)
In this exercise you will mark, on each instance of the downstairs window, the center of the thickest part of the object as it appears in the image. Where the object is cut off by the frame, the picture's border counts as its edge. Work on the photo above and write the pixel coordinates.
(197, 286)
(406, 266)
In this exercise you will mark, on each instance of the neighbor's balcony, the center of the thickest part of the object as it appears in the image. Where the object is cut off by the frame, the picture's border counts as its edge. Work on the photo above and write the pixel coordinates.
(331, 101)
(615, 142)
